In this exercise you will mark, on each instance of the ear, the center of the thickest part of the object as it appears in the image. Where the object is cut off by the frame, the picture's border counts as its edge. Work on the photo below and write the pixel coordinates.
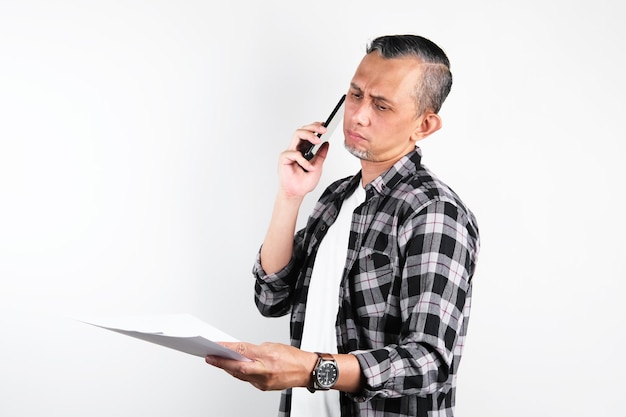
(427, 124)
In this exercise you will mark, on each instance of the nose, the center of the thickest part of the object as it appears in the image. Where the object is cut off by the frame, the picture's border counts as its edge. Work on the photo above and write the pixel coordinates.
(361, 113)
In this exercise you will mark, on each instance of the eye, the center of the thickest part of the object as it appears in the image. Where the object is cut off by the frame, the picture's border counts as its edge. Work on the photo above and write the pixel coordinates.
(381, 107)
(356, 96)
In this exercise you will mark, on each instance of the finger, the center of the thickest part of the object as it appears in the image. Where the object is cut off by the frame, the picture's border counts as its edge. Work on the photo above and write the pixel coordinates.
(232, 366)
(249, 350)
(316, 161)
(321, 153)
(237, 369)
(225, 363)
(308, 133)
(291, 157)
(231, 345)
(316, 127)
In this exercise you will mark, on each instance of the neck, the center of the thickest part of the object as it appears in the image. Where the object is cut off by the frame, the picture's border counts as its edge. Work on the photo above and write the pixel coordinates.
(371, 170)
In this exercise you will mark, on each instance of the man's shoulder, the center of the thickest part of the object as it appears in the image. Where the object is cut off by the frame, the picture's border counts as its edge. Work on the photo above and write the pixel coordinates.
(423, 188)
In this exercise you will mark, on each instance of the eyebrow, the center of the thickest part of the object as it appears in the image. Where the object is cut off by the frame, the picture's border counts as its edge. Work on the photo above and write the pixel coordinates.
(380, 98)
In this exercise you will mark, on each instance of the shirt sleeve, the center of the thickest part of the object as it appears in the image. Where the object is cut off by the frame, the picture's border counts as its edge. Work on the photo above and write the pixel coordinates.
(439, 245)
(273, 293)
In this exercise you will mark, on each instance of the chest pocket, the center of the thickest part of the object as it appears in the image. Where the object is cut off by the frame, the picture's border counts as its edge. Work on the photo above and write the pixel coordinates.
(372, 280)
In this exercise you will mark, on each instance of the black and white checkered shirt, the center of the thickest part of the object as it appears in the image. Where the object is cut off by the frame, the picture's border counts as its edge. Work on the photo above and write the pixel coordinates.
(405, 296)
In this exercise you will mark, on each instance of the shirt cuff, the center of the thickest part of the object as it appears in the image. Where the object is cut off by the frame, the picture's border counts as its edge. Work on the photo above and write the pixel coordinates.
(376, 368)
(277, 279)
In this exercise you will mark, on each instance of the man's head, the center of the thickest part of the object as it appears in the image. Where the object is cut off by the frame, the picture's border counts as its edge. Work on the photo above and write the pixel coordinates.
(394, 97)
(435, 82)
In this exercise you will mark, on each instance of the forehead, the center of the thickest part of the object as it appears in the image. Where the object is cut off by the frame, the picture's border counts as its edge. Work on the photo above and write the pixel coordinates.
(387, 76)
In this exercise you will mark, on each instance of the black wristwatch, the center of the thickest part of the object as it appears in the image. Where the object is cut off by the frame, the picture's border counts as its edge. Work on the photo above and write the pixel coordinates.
(325, 373)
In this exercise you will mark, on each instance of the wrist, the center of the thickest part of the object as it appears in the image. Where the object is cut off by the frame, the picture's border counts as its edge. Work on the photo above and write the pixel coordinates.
(309, 366)
(325, 373)
(286, 197)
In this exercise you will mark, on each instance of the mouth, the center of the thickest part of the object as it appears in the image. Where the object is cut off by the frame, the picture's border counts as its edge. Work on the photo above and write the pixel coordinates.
(355, 137)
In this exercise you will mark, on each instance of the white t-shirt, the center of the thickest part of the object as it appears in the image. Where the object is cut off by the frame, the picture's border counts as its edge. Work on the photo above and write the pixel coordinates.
(322, 306)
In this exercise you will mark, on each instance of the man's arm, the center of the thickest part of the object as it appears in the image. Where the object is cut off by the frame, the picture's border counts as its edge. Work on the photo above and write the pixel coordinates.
(278, 244)
(276, 366)
(441, 244)
(297, 177)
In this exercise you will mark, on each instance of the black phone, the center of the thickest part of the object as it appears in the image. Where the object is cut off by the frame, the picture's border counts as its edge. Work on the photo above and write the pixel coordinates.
(308, 149)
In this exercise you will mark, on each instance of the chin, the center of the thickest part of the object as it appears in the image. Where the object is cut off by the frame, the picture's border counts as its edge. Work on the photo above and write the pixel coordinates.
(361, 154)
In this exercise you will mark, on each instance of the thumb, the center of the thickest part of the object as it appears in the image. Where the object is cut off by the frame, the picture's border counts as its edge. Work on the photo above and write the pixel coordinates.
(244, 349)
(321, 153)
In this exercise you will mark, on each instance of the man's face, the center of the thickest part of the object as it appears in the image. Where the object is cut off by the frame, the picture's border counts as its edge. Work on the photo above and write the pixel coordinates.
(380, 113)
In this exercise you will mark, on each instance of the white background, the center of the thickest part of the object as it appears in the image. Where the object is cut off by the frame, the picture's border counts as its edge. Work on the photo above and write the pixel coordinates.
(138, 148)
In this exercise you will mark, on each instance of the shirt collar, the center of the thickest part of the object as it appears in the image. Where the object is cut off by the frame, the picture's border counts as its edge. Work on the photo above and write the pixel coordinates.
(406, 166)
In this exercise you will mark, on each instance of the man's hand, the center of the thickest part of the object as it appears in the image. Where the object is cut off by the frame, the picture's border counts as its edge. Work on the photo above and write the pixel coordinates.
(274, 366)
(297, 175)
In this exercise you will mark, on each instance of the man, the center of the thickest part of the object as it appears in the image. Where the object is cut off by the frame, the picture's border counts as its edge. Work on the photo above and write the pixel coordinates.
(380, 279)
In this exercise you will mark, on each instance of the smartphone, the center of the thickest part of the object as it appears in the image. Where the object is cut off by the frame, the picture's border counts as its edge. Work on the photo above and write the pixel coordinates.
(308, 149)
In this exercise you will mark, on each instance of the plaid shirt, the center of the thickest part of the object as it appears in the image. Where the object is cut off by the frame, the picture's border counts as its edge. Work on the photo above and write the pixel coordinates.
(405, 295)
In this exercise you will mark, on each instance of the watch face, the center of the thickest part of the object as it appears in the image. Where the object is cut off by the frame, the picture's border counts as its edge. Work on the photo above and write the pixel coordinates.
(327, 374)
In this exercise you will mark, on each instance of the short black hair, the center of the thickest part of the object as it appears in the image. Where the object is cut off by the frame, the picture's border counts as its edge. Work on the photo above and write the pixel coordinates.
(435, 82)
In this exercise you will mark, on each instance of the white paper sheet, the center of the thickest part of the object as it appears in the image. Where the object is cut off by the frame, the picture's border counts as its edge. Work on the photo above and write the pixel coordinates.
(182, 332)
